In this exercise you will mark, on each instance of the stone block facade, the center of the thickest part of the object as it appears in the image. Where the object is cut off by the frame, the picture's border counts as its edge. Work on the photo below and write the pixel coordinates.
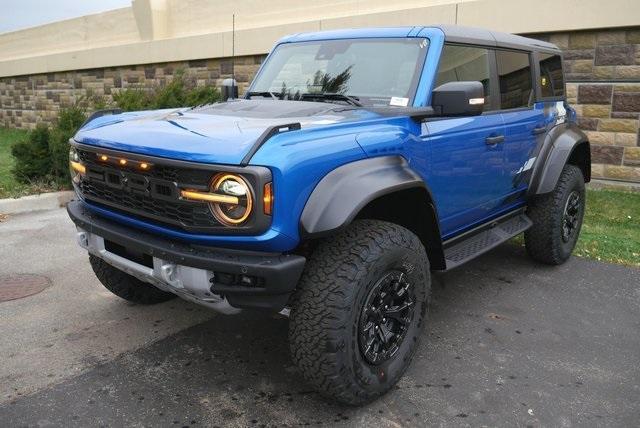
(602, 81)
(28, 100)
(602, 71)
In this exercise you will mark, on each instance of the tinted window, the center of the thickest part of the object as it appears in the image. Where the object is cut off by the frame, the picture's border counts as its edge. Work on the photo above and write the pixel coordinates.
(514, 72)
(462, 63)
(551, 78)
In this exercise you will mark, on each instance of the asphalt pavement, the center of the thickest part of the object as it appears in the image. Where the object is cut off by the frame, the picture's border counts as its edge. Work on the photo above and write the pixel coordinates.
(509, 343)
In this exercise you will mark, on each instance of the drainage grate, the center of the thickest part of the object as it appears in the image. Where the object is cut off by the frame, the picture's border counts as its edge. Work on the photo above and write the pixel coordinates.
(17, 286)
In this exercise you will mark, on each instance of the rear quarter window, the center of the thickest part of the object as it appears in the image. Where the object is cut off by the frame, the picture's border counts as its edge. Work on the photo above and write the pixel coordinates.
(551, 76)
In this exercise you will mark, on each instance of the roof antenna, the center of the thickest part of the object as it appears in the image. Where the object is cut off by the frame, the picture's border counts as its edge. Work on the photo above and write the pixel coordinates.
(233, 46)
(229, 86)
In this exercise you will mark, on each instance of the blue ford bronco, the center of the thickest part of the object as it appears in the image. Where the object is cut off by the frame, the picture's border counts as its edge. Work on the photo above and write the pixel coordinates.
(357, 163)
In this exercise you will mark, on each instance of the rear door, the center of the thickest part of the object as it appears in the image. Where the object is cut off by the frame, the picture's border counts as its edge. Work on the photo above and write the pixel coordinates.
(525, 123)
(466, 173)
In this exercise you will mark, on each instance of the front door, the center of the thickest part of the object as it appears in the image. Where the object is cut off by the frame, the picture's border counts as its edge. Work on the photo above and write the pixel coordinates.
(467, 169)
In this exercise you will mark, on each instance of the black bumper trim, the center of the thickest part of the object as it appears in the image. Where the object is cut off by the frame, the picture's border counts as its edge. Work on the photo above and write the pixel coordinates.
(280, 272)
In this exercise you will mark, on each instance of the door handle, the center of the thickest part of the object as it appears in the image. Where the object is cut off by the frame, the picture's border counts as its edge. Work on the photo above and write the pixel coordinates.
(539, 130)
(494, 140)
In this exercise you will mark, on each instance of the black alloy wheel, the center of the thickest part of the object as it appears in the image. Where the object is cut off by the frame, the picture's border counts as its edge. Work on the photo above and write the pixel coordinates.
(385, 317)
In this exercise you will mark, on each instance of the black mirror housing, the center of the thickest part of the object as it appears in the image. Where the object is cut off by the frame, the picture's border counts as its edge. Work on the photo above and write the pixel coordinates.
(458, 99)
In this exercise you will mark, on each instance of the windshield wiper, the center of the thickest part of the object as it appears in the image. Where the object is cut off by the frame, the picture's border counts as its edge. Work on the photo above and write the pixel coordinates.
(262, 94)
(329, 96)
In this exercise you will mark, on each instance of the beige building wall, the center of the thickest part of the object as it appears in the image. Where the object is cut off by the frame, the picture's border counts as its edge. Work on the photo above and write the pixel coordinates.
(154, 31)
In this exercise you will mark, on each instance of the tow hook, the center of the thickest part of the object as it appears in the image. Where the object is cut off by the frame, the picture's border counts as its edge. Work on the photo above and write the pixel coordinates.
(168, 273)
(83, 239)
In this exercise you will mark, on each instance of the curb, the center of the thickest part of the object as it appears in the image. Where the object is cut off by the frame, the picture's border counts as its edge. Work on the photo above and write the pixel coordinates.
(41, 202)
(598, 183)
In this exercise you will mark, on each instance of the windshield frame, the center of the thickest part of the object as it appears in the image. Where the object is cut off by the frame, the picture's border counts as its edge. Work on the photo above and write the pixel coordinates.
(413, 87)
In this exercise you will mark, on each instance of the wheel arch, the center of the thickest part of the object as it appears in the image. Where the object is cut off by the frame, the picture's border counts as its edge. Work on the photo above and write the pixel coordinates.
(565, 144)
(368, 189)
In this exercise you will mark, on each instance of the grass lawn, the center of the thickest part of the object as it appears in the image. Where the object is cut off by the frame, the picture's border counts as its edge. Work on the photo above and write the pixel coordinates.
(9, 187)
(611, 229)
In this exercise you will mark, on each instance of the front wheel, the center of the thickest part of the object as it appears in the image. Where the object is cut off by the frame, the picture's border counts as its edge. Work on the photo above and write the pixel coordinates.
(557, 219)
(126, 286)
(358, 313)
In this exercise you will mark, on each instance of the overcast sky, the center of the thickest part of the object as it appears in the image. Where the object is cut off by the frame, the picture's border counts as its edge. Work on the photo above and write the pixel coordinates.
(18, 14)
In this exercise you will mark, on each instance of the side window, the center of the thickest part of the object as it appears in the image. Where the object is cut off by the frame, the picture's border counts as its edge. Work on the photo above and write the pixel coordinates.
(514, 74)
(463, 63)
(551, 77)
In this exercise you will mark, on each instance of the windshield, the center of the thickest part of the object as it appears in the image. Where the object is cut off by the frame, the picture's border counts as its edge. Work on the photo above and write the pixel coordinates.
(373, 72)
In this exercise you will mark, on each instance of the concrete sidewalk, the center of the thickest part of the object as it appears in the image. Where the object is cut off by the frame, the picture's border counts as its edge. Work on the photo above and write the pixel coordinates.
(31, 203)
(509, 343)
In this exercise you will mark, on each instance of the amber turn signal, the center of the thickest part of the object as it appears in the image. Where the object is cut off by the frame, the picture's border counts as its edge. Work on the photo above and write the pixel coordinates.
(267, 198)
(78, 167)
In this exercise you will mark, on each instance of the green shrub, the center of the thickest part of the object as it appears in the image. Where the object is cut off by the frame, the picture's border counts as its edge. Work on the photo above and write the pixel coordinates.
(181, 91)
(69, 120)
(202, 95)
(133, 99)
(32, 156)
(45, 155)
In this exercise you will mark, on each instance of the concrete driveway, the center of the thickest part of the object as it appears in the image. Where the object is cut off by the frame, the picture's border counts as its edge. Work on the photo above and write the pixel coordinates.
(509, 343)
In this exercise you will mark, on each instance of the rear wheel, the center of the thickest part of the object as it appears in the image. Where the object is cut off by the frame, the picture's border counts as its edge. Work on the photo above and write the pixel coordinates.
(359, 311)
(126, 286)
(557, 219)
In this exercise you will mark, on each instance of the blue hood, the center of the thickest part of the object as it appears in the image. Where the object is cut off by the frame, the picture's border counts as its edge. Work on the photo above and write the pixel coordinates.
(220, 133)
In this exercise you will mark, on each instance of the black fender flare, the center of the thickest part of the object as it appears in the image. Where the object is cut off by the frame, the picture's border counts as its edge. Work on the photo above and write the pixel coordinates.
(344, 192)
(560, 143)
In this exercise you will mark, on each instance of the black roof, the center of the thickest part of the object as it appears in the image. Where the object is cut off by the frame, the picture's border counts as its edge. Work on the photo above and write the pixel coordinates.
(481, 36)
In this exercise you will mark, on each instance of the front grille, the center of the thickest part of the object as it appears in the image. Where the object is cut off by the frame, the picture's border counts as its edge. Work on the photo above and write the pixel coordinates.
(152, 194)
(187, 215)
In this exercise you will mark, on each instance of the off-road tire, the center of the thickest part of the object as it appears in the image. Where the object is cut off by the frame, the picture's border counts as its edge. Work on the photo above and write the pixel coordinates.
(327, 306)
(544, 240)
(126, 286)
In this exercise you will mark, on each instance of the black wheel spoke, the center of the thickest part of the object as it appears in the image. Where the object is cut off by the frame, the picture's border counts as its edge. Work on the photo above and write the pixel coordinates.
(571, 216)
(385, 317)
(397, 312)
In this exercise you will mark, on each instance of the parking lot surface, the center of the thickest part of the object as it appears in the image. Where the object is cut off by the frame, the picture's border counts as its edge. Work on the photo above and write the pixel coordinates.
(509, 342)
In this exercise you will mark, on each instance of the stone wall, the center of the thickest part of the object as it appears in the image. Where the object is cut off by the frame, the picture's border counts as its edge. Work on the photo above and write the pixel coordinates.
(28, 100)
(603, 84)
(602, 72)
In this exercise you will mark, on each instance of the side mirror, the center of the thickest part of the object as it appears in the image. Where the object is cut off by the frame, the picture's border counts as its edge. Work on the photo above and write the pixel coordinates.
(458, 99)
(229, 89)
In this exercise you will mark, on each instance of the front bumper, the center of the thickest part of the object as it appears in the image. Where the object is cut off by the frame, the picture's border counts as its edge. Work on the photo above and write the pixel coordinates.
(190, 271)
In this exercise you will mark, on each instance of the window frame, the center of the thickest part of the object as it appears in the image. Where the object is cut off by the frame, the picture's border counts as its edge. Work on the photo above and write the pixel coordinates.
(494, 82)
(534, 79)
(536, 61)
(493, 72)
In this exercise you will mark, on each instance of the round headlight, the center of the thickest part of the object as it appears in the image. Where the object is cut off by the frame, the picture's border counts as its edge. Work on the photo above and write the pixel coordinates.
(231, 214)
(76, 169)
(73, 154)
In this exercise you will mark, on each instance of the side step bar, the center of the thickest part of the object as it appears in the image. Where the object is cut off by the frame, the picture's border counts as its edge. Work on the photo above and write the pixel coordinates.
(471, 244)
